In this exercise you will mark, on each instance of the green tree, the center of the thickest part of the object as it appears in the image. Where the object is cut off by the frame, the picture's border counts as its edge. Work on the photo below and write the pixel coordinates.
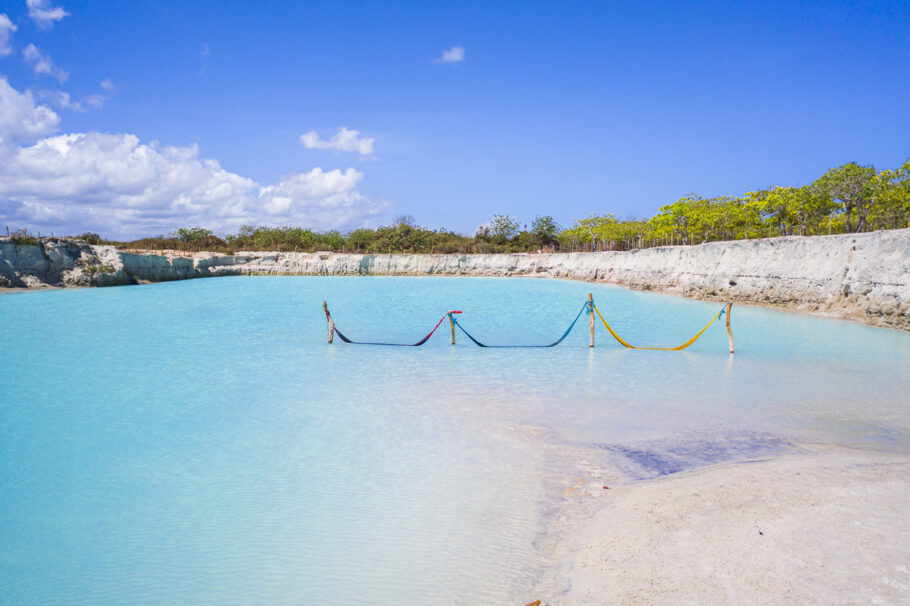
(810, 208)
(544, 230)
(503, 228)
(594, 228)
(852, 186)
(189, 234)
(728, 217)
(891, 192)
(661, 227)
(683, 215)
(90, 238)
(778, 207)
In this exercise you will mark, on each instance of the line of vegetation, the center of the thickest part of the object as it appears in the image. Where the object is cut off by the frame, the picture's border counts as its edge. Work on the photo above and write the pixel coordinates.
(847, 199)
(21, 237)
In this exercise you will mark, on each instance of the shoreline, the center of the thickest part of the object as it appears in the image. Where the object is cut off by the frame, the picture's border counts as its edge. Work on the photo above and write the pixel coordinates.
(828, 315)
(861, 277)
(823, 526)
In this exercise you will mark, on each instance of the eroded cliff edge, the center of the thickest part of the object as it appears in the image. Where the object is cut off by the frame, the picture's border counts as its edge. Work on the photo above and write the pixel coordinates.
(865, 277)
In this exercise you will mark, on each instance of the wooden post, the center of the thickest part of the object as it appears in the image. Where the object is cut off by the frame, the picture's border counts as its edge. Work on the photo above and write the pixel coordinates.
(729, 332)
(451, 325)
(328, 318)
(591, 313)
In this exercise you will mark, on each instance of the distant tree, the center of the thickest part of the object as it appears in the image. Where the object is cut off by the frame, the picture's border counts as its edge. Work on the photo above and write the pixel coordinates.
(891, 193)
(544, 230)
(659, 228)
(732, 217)
(683, 215)
(333, 239)
(851, 185)
(810, 208)
(189, 234)
(778, 207)
(503, 227)
(594, 228)
(89, 238)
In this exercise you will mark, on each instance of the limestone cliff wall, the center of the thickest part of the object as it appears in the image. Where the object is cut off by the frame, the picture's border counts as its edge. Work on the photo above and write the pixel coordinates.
(862, 276)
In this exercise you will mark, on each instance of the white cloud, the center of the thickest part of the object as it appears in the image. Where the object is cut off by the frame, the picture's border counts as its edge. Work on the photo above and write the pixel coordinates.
(344, 140)
(7, 28)
(63, 100)
(114, 182)
(453, 55)
(42, 64)
(43, 13)
(20, 118)
(97, 100)
(332, 199)
(118, 186)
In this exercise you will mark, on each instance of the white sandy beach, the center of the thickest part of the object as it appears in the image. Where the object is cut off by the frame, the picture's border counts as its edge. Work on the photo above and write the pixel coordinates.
(828, 527)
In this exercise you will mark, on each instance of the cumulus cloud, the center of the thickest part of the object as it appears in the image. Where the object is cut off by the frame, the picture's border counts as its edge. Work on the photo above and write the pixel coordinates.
(344, 140)
(43, 14)
(119, 186)
(7, 28)
(42, 64)
(332, 198)
(21, 119)
(114, 181)
(453, 55)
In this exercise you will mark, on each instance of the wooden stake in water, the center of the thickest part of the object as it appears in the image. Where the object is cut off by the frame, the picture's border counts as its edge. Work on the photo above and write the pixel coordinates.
(591, 313)
(729, 332)
(328, 318)
(451, 325)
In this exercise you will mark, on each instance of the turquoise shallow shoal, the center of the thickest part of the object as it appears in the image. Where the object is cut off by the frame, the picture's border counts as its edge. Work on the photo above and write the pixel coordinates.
(199, 442)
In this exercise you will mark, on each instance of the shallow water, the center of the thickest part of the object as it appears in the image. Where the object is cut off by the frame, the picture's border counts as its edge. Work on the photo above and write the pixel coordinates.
(199, 442)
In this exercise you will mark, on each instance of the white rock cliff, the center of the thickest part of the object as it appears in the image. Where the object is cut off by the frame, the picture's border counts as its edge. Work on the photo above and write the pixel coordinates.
(864, 277)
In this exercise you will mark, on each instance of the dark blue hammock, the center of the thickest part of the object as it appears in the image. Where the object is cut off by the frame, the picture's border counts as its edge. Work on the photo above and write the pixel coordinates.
(553, 344)
(460, 327)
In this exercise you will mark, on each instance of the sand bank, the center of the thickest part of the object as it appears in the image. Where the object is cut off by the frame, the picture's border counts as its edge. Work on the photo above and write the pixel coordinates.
(827, 527)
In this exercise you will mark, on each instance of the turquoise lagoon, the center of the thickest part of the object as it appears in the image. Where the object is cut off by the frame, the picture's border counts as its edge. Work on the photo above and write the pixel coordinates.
(199, 442)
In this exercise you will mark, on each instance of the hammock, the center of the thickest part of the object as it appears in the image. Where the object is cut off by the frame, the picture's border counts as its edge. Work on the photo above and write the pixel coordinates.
(588, 306)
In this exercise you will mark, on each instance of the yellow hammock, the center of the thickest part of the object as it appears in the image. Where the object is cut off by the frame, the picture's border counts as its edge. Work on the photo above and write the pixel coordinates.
(678, 348)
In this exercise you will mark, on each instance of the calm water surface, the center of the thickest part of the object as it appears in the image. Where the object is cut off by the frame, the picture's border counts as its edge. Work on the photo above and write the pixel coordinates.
(199, 442)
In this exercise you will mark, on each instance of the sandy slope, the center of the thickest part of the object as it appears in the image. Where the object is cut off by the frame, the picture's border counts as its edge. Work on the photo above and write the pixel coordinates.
(828, 527)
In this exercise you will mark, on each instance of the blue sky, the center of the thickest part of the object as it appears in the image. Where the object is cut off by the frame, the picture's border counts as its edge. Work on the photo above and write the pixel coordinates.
(184, 113)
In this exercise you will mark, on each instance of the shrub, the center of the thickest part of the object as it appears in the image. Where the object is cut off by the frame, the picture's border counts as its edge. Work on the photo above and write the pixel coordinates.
(22, 237)
(98, 269)
(90, 238)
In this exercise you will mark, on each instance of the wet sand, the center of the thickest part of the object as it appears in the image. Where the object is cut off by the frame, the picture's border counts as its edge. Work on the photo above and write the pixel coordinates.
(830, 526)
(6, 290)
